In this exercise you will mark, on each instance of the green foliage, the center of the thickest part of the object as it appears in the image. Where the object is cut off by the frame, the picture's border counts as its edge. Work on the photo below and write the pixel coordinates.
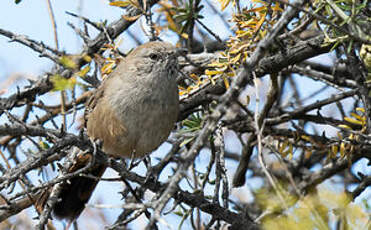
(60, 83)
(186, 14)
(68, 62)
(190, 126)
(343, 14)
(314, 211)
(365, 54)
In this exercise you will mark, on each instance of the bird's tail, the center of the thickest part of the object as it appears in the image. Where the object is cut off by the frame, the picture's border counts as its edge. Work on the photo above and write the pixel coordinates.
(75, 192)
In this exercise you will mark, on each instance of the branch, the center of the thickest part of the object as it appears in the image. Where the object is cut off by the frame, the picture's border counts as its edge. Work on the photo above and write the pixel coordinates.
(311, 180)
(365, 183)
(43, 85)
(231, 94)
(115, 29)
(44, 50)
(191, 199)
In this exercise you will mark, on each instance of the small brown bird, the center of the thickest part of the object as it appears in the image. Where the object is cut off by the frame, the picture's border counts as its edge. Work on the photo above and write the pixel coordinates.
(133, 111)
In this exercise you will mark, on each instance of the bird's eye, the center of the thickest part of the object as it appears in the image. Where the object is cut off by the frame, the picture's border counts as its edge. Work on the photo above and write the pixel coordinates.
(154, 56)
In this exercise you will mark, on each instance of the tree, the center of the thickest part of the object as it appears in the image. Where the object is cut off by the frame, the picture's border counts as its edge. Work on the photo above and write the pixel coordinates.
(257, 89)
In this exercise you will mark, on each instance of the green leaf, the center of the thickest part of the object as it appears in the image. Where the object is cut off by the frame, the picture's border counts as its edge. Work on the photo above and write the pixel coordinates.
(186, 141)
(60, 83)
(68, 62)
(84, 71)
(44, 145)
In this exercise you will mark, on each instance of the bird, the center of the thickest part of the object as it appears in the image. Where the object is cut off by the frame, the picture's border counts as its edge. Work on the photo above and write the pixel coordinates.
(132, 113)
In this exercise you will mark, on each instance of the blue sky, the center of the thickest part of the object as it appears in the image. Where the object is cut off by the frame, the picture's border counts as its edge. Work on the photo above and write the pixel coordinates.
(31, 18)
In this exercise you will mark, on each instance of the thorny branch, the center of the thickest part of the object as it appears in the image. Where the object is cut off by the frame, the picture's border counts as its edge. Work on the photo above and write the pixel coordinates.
(280, 127)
